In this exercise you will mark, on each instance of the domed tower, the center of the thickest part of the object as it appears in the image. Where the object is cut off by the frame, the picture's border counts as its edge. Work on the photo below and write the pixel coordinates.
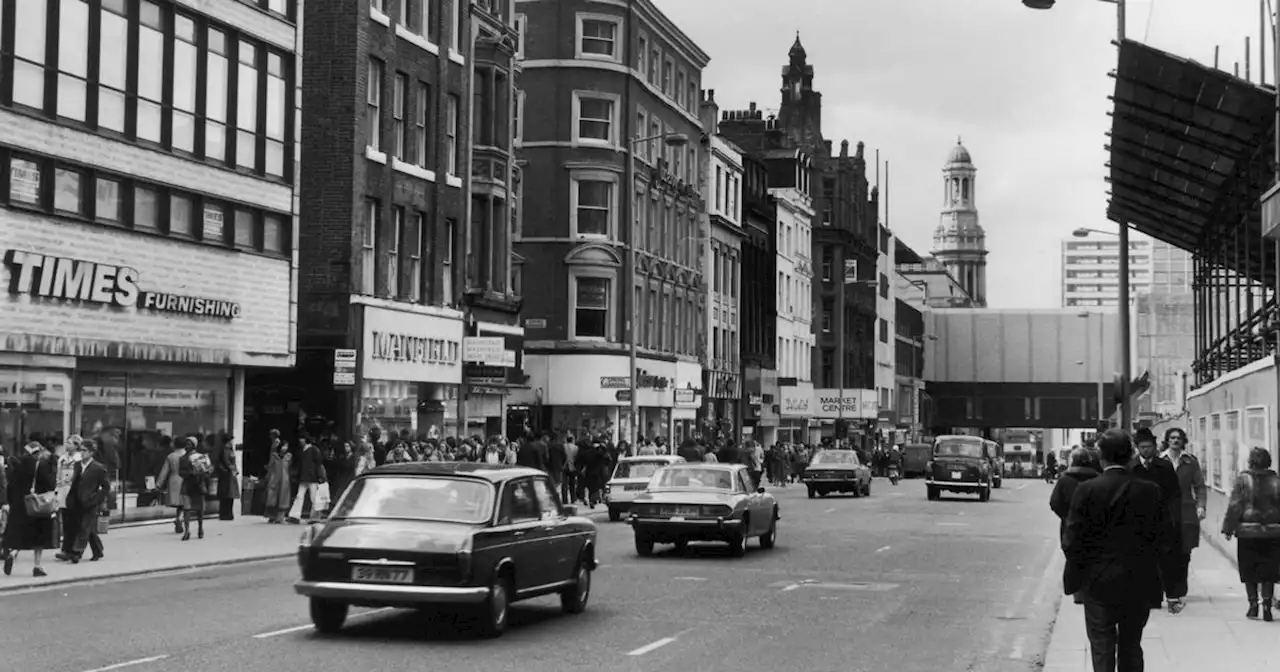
(801, 113)
(959, 242)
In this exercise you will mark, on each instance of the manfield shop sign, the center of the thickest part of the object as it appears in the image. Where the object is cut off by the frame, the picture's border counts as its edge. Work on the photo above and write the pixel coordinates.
(66, 279)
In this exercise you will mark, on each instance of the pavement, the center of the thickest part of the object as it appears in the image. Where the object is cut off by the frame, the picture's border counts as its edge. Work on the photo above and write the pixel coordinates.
(1210, 633)
(887, 582)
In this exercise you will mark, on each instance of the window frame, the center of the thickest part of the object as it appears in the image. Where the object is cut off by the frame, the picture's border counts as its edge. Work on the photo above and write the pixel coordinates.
(373, 103)
(615, 104)
(605, 176)
(609, 275)
(580, 21)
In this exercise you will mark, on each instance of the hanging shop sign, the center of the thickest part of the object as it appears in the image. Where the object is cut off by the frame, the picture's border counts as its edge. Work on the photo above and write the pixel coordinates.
(67, 279)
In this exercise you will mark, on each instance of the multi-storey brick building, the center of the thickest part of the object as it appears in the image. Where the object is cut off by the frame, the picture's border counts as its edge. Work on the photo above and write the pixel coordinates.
(400, 264)
(758, 309)
(147, 221)
(845, 226)
(611, 120)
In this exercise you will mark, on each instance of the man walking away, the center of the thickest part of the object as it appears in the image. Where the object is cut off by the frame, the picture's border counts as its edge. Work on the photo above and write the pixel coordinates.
(89, 490)
(1156, 469)
(1081, 470)
(531, 453)
(310, 477)
(569, 491)
(1192, 487)
(555, 460)
(1114, 530)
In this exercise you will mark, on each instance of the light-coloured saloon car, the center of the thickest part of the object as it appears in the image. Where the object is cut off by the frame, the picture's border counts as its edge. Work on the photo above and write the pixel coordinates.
(630, 478)
(703, 502)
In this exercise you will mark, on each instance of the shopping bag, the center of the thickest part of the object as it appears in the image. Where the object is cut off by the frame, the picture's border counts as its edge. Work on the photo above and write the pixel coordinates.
(103, 525)
(321, 505)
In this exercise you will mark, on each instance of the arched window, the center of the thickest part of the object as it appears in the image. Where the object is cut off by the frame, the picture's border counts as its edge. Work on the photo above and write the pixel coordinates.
(964, 189)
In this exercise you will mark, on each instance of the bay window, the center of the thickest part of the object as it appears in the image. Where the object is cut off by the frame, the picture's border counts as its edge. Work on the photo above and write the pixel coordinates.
(598, 37)
(73, 59)
(592, 207)
(29, 33)
(594, 117)
(592, 300)
(150, 72)
(247, 106)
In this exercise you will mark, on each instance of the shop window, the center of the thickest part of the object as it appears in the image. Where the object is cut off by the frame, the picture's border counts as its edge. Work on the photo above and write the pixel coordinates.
(244, 229)
(213, 228)
(134, 419)
(67, 196)
(146, 209)
(421, 408)
(275, 234)
(35, 405)
(24, 181)
(107, 200)
(180, 215)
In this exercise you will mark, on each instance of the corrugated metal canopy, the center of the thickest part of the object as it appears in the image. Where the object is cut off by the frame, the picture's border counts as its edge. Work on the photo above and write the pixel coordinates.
(1179, 133)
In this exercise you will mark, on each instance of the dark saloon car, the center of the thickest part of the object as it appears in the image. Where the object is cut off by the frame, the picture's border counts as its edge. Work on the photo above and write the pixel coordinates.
(703, 502)
(836, 471)
(471, 536)
(960, 464)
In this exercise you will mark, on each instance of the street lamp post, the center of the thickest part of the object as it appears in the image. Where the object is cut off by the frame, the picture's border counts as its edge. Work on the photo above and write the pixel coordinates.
(1122, 305)
(1123, 299)
(633, 307)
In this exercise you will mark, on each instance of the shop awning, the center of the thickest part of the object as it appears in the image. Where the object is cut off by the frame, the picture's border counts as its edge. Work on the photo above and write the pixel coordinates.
(1181, 135)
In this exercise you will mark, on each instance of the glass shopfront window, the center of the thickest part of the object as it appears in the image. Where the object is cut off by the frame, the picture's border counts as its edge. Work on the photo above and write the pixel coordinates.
(584, 421)
(34, 406)
(656, 422)
(134, 419)
(427, 409)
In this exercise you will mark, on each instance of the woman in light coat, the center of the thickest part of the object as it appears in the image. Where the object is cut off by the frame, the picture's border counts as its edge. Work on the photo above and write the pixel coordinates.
(279, 489)
(171, 481)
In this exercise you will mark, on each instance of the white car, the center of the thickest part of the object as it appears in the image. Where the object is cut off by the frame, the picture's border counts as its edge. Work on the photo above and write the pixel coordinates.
(630, 478)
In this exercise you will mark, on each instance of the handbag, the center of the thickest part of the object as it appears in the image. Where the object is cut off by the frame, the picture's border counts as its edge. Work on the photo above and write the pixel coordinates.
(40, 505)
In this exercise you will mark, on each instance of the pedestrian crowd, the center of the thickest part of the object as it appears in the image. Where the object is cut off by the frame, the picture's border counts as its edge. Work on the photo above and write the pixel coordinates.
(1130, 511)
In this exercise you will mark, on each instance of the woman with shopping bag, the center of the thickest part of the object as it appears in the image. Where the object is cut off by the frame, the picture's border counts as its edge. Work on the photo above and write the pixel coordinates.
(32, 505)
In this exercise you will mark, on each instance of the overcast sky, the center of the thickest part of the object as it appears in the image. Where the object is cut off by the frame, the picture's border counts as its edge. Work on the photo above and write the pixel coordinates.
(1026, 89)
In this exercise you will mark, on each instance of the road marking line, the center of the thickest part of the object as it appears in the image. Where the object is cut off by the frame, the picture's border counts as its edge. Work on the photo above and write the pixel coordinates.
(952, 524)
(688, 578)
(299, 628)
(651, 646)
(1022, 486)
(791, 587)
(129, 663)
(882, 549)
(829, 511)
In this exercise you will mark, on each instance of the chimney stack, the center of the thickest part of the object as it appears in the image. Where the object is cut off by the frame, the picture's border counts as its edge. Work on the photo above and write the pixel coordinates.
(753, 107)
(844, 149)
(828, 144)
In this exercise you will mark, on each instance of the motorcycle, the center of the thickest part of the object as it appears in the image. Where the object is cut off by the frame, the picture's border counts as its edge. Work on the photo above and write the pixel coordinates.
(893, 474)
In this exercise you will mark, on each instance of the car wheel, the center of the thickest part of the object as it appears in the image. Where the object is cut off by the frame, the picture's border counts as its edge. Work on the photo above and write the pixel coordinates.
(574, 598)
(493, 614)
(738, 542)
(933, 493)
(327, 616)
(812, 493)
(770, 538)
(644, 547)
(615, 514)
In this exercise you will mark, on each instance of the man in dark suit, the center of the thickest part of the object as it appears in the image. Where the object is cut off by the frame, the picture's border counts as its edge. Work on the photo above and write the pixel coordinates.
(1112, 540)
(532, 453)
(86, 498)
(1150, 466)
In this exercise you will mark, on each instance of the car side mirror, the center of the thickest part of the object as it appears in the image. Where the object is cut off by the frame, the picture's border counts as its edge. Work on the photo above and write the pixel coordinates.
(760, 489)
(570, 509)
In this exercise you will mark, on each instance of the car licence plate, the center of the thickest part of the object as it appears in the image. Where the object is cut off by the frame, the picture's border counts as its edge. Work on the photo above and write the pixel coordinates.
(957, 475)
(381, 574)
(679, 510)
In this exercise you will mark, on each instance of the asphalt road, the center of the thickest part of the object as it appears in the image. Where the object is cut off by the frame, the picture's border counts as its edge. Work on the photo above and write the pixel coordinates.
(893, 582)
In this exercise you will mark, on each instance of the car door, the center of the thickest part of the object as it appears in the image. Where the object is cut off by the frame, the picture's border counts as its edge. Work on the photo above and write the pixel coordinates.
(562, 544)
(521, 532)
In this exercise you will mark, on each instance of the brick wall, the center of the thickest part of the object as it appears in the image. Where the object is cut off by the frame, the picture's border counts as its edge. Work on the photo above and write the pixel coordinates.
(261, 336)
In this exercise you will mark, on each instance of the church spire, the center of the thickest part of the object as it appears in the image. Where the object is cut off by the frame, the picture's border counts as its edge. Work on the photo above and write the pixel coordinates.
(797, 52)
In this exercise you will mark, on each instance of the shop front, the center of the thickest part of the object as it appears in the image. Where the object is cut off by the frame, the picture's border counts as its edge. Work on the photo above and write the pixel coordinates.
(796, 409)
(760, 405)
(410, 373)
(589, 395)
(721, 405)
(132, 341)
(687, 399)
(493, 369)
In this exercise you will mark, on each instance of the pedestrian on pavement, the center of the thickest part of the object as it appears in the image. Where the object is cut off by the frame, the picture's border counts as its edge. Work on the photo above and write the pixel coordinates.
(1113, 536)
(1192, 488)
(555, 459)
(1253, 517)
(532, 453)
(195, 468)
(340, 467)
(227, 475)
(1081, 470)
(67, 456)
(311, 477)
(279, 485)
(366, 461)
(171, 481)
(90, 488)
(28, 474)
(755, 463)
(569, 493)
(1151, 466)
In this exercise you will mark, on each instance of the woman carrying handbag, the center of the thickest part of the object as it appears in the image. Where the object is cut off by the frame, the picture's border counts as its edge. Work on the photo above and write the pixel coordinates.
(32, 505)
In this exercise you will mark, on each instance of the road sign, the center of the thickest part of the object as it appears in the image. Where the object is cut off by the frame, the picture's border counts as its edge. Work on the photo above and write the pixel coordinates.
(622, 395)
(344, 355)
(344, 378)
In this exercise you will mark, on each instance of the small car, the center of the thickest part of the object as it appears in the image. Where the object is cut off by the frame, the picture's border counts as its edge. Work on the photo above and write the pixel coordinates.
(451, 535)
(960, 464)
(630, 478)
(836, 471)
(705, 501)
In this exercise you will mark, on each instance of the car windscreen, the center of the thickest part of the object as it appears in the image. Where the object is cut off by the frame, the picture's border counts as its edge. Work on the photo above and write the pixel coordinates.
(958, 448)
(693, 477)
(827, 458)
(417, 498)
(638, 469)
